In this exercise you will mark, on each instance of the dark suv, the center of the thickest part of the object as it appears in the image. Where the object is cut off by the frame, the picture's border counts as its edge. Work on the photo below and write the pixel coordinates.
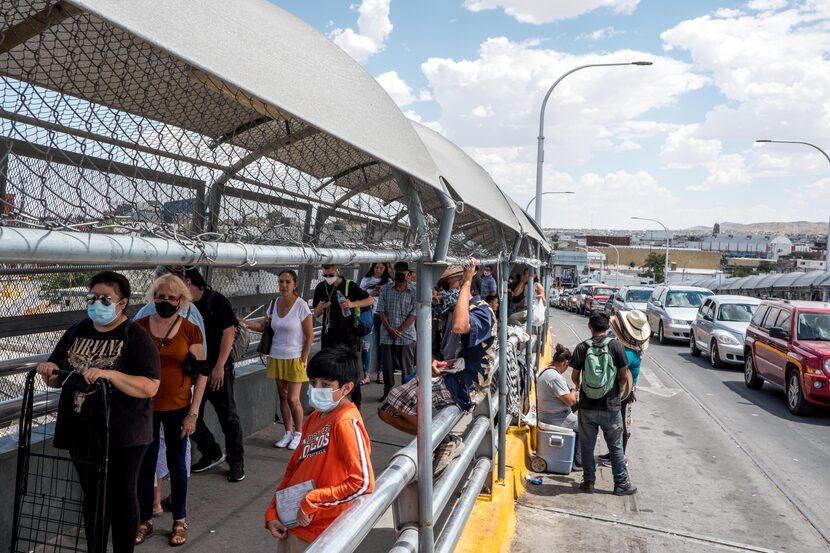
(788, 343)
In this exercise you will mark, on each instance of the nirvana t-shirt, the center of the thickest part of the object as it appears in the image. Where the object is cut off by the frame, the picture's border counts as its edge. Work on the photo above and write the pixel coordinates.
(611, 400)
(338, 329)
(82, 415)
(218, 314)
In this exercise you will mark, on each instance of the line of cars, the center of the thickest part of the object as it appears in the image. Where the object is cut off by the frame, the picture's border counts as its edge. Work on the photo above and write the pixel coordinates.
(783, 342)
(779, 341)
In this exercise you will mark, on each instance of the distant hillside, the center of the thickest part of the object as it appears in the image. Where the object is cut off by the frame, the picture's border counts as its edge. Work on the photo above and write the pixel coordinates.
(793, 227)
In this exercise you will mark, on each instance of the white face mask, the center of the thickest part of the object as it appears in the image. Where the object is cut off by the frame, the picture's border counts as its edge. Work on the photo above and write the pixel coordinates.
(331, 280)
(322, 399)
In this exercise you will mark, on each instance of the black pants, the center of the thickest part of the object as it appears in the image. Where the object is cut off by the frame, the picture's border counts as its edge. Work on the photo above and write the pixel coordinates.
(225, 407)
(121, 505)
(405, 356)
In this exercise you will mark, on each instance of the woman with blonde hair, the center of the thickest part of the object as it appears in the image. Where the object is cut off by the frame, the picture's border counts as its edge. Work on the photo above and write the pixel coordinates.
(290, 318)
(175, 405)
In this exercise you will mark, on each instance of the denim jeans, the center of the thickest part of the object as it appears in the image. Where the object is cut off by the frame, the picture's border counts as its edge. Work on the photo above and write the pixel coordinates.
(590, 422)
(176, 446)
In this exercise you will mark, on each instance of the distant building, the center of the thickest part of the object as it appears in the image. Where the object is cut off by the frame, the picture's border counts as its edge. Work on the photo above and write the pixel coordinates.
(748, 245)
(716, 229)
(810, 265)
(594, 240)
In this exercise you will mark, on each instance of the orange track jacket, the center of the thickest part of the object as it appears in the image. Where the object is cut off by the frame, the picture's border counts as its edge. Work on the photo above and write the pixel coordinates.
(334, 453)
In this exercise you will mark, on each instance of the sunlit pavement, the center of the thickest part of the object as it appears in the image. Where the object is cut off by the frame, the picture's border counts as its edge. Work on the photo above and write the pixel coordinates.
(699, 489)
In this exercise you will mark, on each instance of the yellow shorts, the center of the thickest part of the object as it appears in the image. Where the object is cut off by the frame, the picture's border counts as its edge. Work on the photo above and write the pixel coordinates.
(291, 370)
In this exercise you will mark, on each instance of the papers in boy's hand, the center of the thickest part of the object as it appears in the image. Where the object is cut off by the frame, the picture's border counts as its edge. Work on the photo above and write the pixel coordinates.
(456, 366)
(288, 502)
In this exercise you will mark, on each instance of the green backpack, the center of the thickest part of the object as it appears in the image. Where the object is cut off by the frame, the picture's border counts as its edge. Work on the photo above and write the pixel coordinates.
(598, 372)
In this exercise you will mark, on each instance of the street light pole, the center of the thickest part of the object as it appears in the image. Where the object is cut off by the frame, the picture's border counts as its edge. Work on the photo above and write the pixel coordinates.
(601, 260)
(616, 280)
(545, 194)
(540, 149)
(665, 228)
(827, 245)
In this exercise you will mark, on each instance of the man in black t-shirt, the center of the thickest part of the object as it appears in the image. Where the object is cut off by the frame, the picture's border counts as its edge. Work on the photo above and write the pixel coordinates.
(337, 327)
(220, 330)
(601, 413)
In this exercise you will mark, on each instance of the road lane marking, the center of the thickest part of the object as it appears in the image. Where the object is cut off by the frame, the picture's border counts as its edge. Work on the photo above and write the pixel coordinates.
(691, 536)
(656, 386)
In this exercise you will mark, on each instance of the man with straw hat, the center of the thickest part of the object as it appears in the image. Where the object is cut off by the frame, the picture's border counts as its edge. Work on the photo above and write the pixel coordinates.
(632, 329)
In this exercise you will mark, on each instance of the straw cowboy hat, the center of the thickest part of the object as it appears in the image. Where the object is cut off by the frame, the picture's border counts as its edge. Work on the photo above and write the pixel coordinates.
(632, 329)
(451, 272)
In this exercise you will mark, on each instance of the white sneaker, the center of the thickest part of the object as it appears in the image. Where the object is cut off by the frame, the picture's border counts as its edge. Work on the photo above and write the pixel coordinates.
(285, 440)
(295, 441)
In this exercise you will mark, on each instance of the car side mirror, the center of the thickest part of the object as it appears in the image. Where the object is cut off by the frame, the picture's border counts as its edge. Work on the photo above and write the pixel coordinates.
(779, 333)
(657, 303)
(707, 317)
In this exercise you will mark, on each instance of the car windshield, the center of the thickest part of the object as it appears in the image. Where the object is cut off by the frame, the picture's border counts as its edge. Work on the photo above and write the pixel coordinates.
(814, 326)
(686, 298)
(603, 291)
(638, 296)
(736, 312)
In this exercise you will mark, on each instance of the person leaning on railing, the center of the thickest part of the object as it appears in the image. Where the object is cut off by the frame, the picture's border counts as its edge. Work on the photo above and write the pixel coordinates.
(175, 406)
(467, 335)
(107, 346)
(292, 324)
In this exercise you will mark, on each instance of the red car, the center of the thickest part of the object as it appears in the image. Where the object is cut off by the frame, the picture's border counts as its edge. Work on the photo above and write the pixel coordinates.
(596, 298)
(788, 343)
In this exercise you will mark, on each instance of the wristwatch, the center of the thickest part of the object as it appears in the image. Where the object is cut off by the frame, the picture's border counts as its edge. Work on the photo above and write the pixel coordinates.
(194, 415)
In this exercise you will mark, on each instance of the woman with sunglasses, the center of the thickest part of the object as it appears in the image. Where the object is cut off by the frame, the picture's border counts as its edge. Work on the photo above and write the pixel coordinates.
(106, 346)
(175, 406)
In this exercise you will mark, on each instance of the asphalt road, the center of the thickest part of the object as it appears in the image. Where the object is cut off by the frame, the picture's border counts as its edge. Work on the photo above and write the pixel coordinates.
(718, 467)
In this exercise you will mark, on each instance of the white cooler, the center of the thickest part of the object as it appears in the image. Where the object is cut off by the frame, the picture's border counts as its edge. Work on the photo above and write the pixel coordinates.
(554, 449)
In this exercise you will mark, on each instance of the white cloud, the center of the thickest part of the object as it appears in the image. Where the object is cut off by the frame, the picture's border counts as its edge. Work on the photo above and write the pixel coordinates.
(482, 112)
(396, 88)
(545, 11)
(773, 69)
(374, 26)
(593, 110)
(599, 34)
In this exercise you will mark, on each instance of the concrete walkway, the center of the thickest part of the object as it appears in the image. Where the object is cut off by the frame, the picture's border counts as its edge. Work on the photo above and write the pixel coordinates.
(227, 517)
(698, 491)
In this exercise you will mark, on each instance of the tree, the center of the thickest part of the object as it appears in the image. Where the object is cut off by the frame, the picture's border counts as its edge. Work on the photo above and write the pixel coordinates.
(654, 266)
(740, 271)
(51, 284)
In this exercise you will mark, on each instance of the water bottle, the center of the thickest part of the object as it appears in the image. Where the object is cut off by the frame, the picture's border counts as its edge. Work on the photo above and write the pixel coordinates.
(346, 311)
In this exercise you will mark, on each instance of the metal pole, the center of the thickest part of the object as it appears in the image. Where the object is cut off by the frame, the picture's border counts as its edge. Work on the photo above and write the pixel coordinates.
(531, 272)
(504, 271)
(540, 140)
(426, 537)
(617, 251)
(665, 228)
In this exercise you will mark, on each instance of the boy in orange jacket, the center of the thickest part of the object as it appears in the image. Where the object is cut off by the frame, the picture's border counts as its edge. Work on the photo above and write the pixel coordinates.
(333, 454)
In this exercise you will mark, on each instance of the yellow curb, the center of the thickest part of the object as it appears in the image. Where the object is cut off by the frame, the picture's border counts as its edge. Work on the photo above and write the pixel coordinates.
(492, 522)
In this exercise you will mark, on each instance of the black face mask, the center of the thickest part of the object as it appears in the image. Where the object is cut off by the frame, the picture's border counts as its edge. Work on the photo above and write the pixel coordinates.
(400, 277)
(165, 309)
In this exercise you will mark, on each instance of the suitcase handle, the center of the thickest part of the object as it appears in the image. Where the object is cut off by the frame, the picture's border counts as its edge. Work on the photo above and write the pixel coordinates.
(556, 441)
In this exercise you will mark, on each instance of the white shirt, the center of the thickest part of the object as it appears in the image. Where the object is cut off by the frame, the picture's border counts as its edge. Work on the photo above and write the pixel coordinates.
(288, 331)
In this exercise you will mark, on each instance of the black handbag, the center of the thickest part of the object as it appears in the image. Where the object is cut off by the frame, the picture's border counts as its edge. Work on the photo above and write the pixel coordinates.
(268, 333)
(195, 368)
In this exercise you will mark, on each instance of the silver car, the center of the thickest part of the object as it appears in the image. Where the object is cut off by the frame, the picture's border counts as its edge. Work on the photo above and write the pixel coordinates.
(581, 293)
(629, 298)
(672, 309)
(720, 328)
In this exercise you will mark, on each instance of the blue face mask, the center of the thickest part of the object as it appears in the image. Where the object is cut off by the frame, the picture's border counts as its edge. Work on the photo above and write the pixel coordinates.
(321, 399)
(101, 314)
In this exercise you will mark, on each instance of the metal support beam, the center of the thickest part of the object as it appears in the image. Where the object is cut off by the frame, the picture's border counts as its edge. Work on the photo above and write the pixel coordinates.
(78, 248)
(35, 24)
(448, 209)
(426, 521)
(504, 273)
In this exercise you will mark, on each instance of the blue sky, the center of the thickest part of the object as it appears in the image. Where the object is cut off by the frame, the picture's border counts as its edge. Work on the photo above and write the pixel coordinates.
(673, 141)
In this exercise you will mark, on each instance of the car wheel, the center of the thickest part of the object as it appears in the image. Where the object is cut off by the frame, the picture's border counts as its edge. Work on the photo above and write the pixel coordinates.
(714, 356)
(751, 378)
(795, 398)
(693, 349)
(661, 336)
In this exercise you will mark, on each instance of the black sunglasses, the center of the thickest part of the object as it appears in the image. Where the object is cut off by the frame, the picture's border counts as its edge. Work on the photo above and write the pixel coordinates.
(105, 299)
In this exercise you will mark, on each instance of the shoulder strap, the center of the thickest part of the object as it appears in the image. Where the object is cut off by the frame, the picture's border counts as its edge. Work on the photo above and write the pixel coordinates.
(607, 340)
(271, 307)
(169, 330)
(347, 288)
